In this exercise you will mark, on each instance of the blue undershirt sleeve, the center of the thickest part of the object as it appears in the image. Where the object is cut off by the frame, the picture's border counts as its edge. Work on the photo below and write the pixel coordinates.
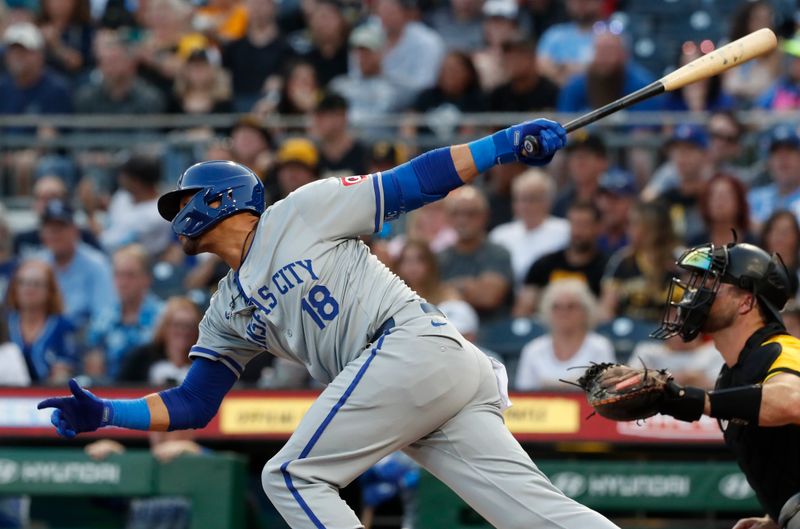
(191, 405)
(195, 402)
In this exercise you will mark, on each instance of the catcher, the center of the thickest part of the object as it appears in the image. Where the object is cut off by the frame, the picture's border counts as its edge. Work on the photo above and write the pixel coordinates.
(734, 293)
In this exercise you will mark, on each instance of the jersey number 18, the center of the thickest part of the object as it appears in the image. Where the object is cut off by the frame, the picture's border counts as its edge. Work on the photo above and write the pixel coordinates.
(320, 305)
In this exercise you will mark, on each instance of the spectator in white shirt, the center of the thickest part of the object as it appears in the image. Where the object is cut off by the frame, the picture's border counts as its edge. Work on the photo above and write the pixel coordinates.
(132, 215)
(414, 52)
(570, 311)
(533, 232)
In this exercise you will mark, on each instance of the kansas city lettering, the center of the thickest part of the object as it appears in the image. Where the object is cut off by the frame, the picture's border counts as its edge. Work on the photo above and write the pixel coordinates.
(282, 281)
(266, 297)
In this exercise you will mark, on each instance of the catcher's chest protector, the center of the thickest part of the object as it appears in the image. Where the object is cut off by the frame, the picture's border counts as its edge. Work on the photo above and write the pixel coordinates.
(769, 457)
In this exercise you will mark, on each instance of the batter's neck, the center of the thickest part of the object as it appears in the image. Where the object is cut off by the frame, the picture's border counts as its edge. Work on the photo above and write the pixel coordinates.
(232, 239)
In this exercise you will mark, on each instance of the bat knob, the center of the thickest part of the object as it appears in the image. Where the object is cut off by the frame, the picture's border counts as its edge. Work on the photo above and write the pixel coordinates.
(530, 146)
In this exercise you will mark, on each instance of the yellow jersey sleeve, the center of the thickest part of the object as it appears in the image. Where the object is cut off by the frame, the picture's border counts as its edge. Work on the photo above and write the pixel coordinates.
(789, 359)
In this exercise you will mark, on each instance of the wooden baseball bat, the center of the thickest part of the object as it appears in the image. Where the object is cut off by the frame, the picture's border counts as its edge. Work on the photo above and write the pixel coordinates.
(711, 64)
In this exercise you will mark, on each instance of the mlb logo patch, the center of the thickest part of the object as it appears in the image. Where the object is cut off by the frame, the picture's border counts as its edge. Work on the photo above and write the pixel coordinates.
(353, 180)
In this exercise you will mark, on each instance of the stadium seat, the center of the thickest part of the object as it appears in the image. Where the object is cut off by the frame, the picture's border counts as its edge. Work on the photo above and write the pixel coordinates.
(625, 333)
(508, 336)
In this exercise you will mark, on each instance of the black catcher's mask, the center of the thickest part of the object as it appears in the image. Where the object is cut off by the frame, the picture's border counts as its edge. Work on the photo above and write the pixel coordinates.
(743, 265)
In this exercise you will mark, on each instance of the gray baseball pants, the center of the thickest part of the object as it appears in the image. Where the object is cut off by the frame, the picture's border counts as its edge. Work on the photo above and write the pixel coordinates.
(425, 390)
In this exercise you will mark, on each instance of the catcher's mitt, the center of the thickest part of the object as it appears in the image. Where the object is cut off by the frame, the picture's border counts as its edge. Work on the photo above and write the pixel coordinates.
(623, 393)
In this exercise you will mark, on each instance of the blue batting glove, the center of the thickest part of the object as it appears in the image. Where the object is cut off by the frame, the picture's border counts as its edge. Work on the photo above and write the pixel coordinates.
(551, 137)
(82, 412)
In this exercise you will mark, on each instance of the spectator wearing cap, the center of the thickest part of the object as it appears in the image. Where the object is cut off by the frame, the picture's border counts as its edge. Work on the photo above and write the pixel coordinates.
(581, 260)
(500, 19)
(328, 30)
(478, 269)
(783, 165)
(723, 207)
(132, 320)
(37, 325)
(252, 145)
(132, 215)
(616, 195)
(459, 24)
(725, 133)
(27, 86)
(115, 87)
(566, 49)
(587, 160)
(46, 188)
(414, 52)
(256, 61)
(341, 154)
(201, 86)
(527, 89)
(784, 94)
(297, 165)
(533, 232)
(687, 150)
(369, 93)
(610, 75)
(67, 30)
(83, 273)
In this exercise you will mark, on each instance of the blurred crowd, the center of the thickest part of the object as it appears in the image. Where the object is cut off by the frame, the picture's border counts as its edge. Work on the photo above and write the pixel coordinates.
(545, 269)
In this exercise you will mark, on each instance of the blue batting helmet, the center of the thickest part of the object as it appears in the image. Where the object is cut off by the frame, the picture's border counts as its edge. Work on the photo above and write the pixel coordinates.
(236, 187)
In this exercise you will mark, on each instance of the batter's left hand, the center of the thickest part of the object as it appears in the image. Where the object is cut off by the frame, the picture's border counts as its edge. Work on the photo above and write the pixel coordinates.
(550, 135)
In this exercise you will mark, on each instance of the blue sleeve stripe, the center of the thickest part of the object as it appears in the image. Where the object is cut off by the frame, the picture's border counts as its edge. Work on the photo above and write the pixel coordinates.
(377, 188)
(287, 475)
(196, 350)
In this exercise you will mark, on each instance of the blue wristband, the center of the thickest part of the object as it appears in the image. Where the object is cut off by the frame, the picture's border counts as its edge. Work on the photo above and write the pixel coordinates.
(492, 150)
(132, 414)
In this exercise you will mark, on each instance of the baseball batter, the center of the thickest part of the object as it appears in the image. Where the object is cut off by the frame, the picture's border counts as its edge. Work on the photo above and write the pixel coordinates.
(398, 375)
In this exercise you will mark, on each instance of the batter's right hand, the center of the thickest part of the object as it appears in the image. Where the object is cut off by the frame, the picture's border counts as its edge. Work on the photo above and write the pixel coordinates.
(82, 412)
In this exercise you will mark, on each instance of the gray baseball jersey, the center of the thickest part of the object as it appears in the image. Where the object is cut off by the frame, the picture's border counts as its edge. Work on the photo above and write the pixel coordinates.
(308, 290)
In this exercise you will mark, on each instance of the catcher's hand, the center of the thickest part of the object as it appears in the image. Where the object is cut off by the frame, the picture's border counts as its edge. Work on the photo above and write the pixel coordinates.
(624, 393)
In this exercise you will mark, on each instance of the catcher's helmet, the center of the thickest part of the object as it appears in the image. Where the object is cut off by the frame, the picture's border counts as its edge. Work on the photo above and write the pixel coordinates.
(236, 187)
(743, 265)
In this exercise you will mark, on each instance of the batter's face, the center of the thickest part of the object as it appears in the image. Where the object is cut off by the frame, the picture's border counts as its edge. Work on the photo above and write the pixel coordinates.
(190, 245)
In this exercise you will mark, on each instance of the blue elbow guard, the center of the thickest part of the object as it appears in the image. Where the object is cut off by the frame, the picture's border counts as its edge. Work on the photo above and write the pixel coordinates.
(195, 402)
(424, 179)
